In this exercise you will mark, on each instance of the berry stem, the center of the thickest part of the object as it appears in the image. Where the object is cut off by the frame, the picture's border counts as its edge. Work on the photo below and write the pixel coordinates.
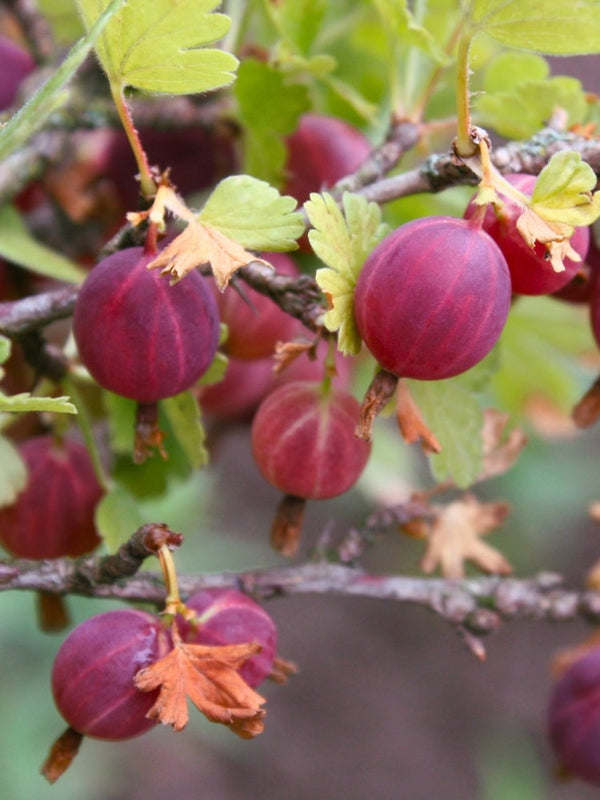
(464, 141)
(147, 183)
(167, 563)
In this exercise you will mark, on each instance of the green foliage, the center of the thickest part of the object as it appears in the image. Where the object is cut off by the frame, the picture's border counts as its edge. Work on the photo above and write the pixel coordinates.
(261, 85)
(254, 214)
(20, 247)
(117, 516)
(547, 26)
(343, 238)
(563, 191)
(453, 410)
(13, 475)
(31, 117)
(161, 46)
(538, 355)
(24, 401)
(519, 97)
(183, 414)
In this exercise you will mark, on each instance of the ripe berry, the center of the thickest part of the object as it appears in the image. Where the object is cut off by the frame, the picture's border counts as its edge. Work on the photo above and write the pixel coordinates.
(93, 672)
(139, 336)
(54, 515)
(17, 63)
(321, 151)
(255, 322)
(574, 718)
(303, 440)
(226, 616)
(530, 270)
(432, 298)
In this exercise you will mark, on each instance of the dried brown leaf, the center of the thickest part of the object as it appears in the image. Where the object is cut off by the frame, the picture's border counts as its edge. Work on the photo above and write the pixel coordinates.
(411, 423)
(455, 537)
(554, 235)
(201, 244)
(499, 450)
(207, 675)
(287, 352)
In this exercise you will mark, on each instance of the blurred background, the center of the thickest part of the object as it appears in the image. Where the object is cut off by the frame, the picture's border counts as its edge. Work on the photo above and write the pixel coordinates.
(387, 703)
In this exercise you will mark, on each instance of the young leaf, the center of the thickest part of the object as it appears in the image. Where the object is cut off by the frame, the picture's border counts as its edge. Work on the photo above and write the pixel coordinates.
(183, 413)
(299, 22)
(261, 85)
(563, 191)
(160, 46)
(19, 246)
(20, 403)
(343, 239)
(548, 26)
(254, 214)
(117, 516)
(13, 475)
(50, 96)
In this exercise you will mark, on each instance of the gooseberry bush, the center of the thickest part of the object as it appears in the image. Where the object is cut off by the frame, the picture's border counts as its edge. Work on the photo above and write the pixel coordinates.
(291, 292)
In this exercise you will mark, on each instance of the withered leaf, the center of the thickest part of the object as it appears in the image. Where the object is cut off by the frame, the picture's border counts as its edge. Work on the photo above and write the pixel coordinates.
(411, 423)
(554, 235)
(499, 450)
(455, 537)
(208, 675)
(201, 244)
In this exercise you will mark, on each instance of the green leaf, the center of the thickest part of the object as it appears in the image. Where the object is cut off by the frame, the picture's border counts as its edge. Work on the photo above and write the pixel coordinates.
(13, 475)
(183, 413)
(50, 96)
(549, 26)
(537, 354)
(455, 416)
(343, 240)
(401, 22)
(563, 191)
(63, 18)
(299, 22)
(508, 70)
(254, 214)
(5, 348)
(522, 111)
(20, 403)
(261, 86)
(19, 246)
(117, 517)
(160, 46)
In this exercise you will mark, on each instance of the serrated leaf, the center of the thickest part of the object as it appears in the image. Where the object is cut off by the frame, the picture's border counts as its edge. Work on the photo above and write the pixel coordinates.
(254, 214)
(521, 112)
(563, 191)
(455, 416)
(117, 517)
(343, 239)
(261, 85)
(50, 96)
(537, 352)
(161, 46)
(19, 246)
(13, 475)
(547, 26)
(183, 413)
(20, 403)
